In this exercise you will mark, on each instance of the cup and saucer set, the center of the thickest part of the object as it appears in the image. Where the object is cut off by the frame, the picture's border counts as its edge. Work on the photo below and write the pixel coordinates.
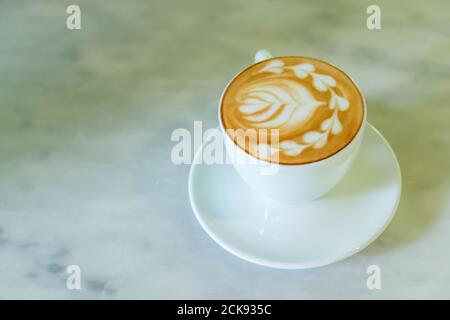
(305, 215)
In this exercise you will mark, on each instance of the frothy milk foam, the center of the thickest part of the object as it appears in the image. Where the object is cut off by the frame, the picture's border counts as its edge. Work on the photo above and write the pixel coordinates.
(316, 108)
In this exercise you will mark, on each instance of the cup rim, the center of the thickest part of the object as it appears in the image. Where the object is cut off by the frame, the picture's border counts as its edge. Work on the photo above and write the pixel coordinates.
(328, 157)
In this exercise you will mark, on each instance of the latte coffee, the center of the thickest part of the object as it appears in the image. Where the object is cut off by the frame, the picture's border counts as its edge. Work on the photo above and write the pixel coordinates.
(315, 108)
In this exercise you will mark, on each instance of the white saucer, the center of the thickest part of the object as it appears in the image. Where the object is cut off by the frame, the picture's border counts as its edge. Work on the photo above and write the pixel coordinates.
(321, 232)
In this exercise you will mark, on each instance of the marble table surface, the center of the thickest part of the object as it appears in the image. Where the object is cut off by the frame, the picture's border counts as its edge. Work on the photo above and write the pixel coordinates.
(85, 122)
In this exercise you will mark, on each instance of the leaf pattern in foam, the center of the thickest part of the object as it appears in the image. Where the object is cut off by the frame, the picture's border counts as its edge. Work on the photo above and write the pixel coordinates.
(291, 103)
(287, 104)
(325, 124)
(274, 66)
(312, 137)
(252, 106)
(332, 102)
(291, 148)
(337, 126)
(322, 82)
(302, 70)
(266, 114)
(342, 103)
(270, 93)
(321, 142)
(279, 120)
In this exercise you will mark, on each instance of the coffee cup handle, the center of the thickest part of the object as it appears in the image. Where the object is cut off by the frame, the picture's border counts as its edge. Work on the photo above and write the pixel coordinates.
(261, 55)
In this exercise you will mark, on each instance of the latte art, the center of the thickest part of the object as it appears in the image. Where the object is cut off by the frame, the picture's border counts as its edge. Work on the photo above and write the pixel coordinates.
(316, 108)
(283, 105)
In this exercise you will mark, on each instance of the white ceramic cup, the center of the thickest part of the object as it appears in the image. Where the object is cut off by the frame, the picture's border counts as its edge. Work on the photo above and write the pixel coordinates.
(293, 183)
